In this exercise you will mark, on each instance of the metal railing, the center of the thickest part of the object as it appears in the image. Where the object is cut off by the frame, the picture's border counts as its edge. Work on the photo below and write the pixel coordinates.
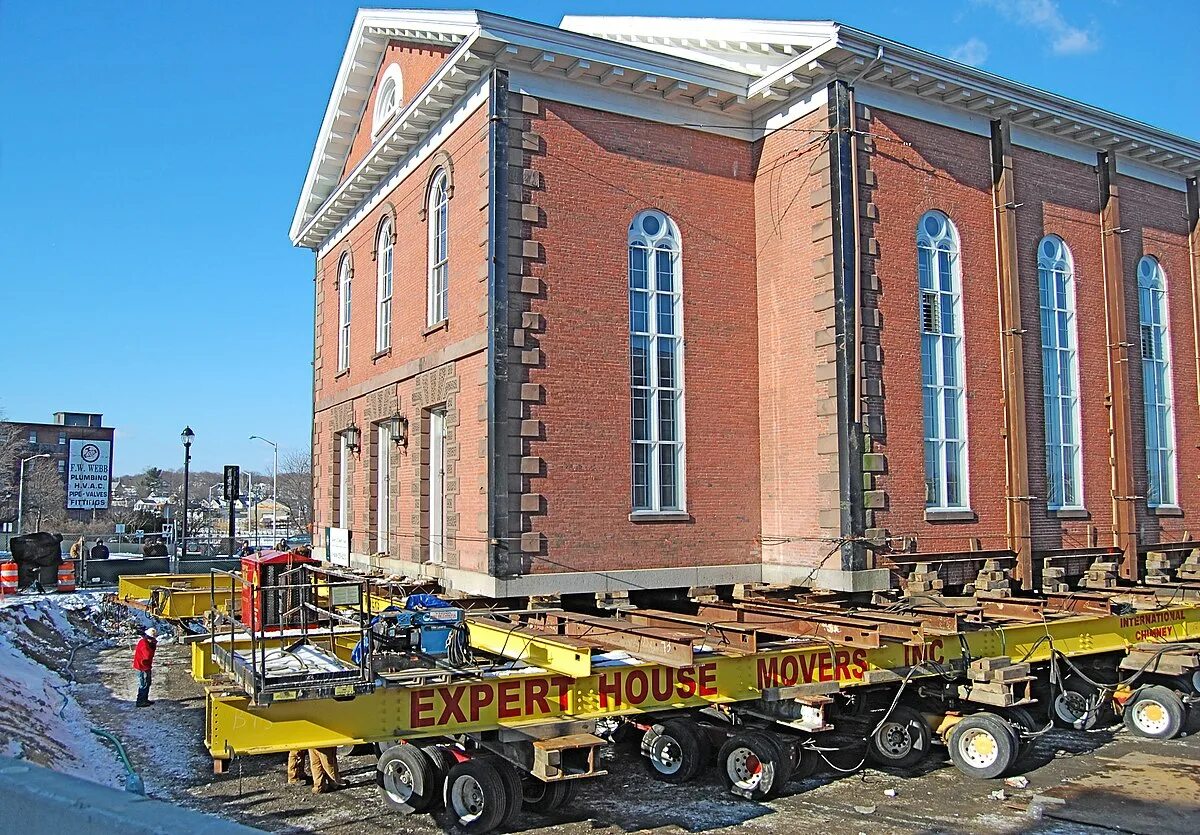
(311, 606)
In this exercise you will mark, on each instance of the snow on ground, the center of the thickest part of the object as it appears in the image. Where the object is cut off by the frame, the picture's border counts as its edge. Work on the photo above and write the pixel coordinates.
(40, 718)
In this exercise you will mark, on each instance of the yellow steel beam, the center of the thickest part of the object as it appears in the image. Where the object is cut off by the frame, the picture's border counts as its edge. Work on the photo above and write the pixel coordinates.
(179, 604)
(139, 586)
(492, 701)
(564, 655)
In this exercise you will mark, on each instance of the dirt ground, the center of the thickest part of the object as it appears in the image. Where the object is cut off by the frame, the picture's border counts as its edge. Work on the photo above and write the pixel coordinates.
(165, 742)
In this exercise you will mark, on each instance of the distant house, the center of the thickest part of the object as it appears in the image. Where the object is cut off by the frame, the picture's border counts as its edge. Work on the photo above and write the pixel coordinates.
(158, 505)
(268, 511)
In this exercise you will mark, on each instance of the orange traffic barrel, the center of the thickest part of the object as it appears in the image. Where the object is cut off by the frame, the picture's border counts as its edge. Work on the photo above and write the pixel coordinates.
(66, 577)
(9, 574)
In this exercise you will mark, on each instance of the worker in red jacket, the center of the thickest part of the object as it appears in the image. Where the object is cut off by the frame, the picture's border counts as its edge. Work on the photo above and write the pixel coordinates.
(143, 660)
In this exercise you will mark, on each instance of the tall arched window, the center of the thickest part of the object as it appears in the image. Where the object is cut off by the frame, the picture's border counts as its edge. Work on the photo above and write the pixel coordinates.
(388, 99)
(1060, 374)
(343, 341)
(439, 247)
(656, 352)
(383, 288)
(942, 363)
(1156, 383)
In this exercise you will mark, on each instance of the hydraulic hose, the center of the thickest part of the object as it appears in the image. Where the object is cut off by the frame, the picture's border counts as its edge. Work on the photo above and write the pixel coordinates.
(133, 781)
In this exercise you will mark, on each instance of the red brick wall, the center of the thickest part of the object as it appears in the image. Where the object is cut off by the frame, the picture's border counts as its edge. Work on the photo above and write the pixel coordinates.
(1156, 218)
(598, 171)
(468, 153)
(418, 63)
(792, 174)
(1060, 197)
(467, 149)
(945, 169)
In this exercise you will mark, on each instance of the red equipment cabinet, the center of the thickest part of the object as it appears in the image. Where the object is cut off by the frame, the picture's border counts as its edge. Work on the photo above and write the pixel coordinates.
(264, 568)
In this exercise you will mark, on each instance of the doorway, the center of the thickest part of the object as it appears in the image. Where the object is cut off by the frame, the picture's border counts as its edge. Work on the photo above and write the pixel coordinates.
(437, 485)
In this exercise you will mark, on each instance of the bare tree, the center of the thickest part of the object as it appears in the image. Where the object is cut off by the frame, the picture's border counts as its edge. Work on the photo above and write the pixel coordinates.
(295, 485)
(10, 453)
(45, 495)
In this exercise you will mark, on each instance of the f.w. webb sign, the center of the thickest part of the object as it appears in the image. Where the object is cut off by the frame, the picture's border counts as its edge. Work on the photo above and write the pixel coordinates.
(89, 466)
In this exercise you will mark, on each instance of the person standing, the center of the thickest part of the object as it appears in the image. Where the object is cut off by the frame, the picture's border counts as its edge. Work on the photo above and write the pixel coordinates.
(323, 765)
(99, 550)
(143, 662)
(77, 548)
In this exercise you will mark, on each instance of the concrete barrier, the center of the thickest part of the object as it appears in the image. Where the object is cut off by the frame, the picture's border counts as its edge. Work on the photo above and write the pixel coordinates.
(48, 803)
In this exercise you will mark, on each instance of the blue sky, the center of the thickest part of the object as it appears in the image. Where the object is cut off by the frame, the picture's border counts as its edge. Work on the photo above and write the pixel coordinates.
(152, 155)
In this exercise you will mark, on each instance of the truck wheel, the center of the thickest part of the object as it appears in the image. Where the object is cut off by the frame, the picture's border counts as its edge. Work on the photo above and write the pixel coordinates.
(1155, 712)
(547, 797)
(675, 751)
(406, 779)
(754, 765)
(902, 740)
(804, 761)
(983, 745)
(1022, 721)
(513, 790)
(476, 795)
(1077, 705)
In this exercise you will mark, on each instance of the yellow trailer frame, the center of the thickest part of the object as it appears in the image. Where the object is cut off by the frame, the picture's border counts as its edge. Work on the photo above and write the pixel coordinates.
(503, 698)
(173, 596)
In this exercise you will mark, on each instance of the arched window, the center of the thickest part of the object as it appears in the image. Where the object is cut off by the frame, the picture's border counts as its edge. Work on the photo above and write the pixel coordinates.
(1060, 374)
(388, 99)
(439, 247)
(1156, 383)
(942, 369)
(656, 351)
(383, 289)
(343, 342)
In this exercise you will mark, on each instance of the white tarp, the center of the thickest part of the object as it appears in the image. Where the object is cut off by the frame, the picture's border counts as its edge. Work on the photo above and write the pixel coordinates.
(89, 466)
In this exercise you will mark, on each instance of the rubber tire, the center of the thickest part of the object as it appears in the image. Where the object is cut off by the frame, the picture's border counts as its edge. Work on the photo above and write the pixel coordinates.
(775, 762)
(492, 787)
(423, 778)
(804, 762)
(687, 738)
(548, 797)
(442, 761)
(514, 791)
(909, 722)
(1171, 703)
(1002, 736)
(1022, 719)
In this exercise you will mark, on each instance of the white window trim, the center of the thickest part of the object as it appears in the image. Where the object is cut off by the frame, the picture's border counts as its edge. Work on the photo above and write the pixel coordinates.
(437, 486)
(383, 487)
(655, 509)
(344, 291)
(343, 482)
(1048, 266)
(925, 240)
(381, 117)
(384, 287)
(438, 279)
(1169, 393)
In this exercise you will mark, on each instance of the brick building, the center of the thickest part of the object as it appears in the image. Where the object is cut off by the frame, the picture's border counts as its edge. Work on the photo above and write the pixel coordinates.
(644, 303)
(54, 440)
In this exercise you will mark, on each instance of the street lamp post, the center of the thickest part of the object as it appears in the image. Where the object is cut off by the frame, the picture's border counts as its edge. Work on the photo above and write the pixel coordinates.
(21, 491)
(274, 489)
(186, 436)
